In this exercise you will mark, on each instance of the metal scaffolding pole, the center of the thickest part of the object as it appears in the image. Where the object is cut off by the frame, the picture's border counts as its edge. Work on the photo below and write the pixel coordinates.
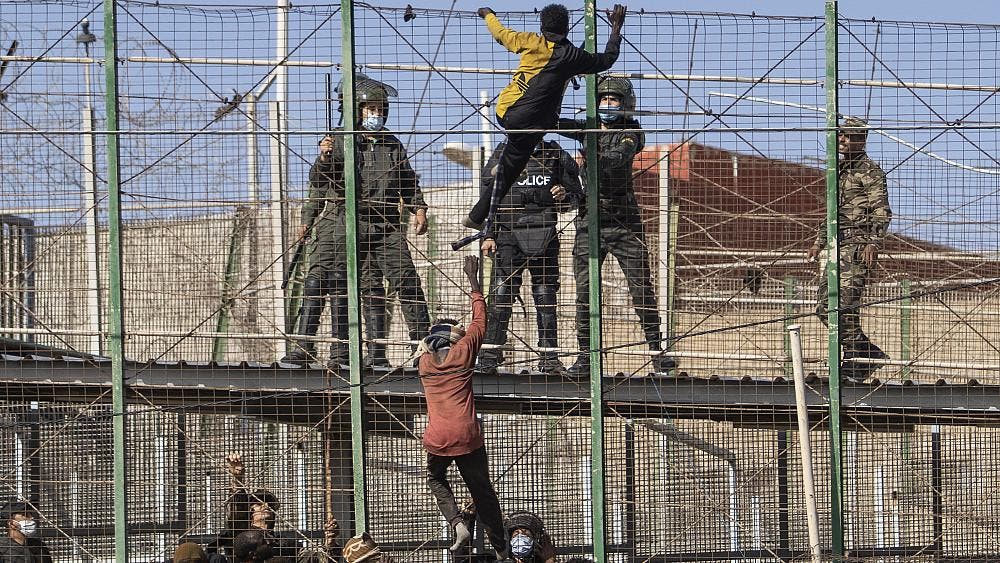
(116, 342)
(833, 282)
(594, 265)
(353, 297)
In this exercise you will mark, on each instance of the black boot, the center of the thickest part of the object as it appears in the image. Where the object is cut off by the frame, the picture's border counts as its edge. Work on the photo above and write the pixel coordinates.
(418, 323)
(304, 351)
(339, 351)
(863, 349)
(548, 331)
(489, 361)
(661, 364)
(375, 328)
(581, 367)
(548, 362)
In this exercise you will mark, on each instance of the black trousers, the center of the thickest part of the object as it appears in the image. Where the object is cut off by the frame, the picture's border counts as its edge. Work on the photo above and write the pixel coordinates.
(515, 156)
(626, 241)
(475, 471)
(509, 264)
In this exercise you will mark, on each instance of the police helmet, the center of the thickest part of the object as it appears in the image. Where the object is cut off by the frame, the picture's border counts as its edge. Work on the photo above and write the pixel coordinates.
(367, 90)
(524, 519)
(617, 86)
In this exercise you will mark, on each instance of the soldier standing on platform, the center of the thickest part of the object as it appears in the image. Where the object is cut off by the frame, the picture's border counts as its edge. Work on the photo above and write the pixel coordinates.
(863, 221)
(386, 184)
(524, 236)
(622, 232)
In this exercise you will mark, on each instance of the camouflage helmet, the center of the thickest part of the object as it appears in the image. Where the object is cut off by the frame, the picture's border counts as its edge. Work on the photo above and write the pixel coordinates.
(617, 86)
(367, 90)
(524, 519)
(854, 126)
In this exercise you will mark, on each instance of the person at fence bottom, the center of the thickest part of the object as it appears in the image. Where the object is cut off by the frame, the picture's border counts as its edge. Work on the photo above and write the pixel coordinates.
(362, 548)
(863, 221)
(525, 237)
(387, 184)
(258, 510)
(622, 231)
(20, 545)
(533, 98)
(453, 433)
(529, 542)
(189, 552)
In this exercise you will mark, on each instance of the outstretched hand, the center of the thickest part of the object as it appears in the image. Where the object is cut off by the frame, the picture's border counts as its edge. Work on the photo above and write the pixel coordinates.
(471, 269)
(484, 11)
(616, 16)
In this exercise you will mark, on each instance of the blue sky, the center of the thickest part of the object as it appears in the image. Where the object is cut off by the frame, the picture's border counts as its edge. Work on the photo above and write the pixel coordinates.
(172, 97)
(964, 11)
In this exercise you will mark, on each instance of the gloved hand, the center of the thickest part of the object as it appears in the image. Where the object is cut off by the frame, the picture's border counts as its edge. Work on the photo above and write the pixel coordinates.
(482, 12)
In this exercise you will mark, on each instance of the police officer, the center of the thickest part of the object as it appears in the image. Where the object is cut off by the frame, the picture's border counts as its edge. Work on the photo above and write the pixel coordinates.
(523, 237)
(529, 542)
(387, 186)
(863, 221)
(621, 224)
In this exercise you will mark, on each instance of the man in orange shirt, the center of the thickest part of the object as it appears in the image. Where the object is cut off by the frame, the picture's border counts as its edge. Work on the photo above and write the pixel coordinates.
(534, 96)
(453, 433)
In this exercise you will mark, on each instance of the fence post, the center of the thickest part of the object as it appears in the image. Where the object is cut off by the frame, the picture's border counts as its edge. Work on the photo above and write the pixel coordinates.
(833, 282)
(116, 343)
(789, 311)
(905, 328)
(594, 265)
(353, 297)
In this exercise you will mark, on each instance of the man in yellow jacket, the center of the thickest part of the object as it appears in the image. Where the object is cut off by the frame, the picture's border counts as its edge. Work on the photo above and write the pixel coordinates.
(533, 98)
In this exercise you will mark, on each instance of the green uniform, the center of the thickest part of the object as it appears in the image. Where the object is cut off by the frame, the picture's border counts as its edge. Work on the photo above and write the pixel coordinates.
(863, 219)
(387, 187)
(622, 233)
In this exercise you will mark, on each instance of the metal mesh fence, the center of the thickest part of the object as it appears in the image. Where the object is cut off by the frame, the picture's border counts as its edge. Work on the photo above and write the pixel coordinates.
(271, 321)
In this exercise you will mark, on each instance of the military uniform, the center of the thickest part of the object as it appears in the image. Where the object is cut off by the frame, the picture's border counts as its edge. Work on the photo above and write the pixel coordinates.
(622, 235)
(526, 238)
(863, 219)
(387, 185)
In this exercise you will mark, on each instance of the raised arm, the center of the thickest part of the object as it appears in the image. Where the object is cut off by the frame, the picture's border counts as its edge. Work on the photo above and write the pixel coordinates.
(515, 41)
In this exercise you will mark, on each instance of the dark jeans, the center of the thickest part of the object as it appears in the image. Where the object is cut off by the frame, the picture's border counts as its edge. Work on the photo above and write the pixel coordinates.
(475, 471)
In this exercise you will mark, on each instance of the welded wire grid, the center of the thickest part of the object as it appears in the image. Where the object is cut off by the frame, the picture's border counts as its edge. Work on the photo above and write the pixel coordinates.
(731, 188)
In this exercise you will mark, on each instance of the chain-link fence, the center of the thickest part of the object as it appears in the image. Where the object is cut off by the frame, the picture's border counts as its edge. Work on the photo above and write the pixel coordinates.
(274, 305)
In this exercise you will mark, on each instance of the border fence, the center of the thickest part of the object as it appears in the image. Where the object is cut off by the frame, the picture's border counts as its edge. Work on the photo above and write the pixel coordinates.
(157, 165)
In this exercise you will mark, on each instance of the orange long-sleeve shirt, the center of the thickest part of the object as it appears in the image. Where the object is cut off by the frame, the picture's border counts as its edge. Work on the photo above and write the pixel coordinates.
(452, 428)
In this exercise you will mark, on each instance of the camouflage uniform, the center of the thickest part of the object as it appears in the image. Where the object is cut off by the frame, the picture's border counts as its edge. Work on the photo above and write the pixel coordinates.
(863, 219)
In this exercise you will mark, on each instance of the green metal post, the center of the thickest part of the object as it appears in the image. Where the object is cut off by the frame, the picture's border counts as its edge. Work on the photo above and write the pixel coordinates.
(675, 218)
(432, 276)
(116, 319)
(353, 293)
(594, 265)
(833, 283)
(789, 311)
(219, 343)
(905, 323)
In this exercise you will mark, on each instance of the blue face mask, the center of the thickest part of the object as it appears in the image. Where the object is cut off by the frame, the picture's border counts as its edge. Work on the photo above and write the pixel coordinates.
(521, 546)
(373, 123)
(608, 117)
